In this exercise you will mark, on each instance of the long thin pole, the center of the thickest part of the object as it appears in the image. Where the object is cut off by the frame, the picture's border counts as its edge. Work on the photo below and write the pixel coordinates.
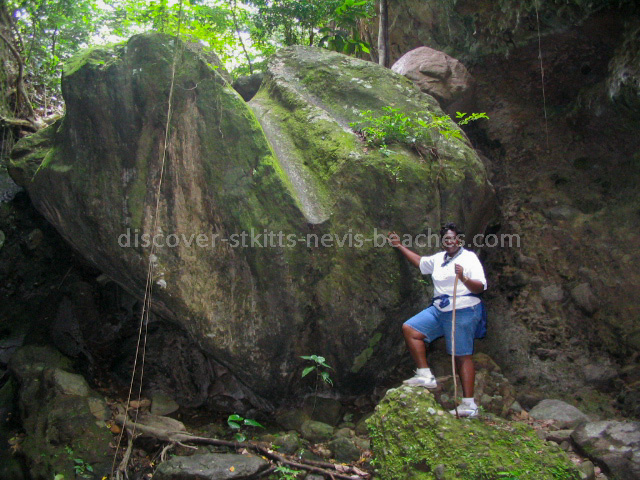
(453, 348)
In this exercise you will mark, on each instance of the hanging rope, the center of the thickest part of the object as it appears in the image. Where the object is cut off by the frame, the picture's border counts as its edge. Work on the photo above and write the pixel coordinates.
(544, 97)
(453, 348)
(146, 304)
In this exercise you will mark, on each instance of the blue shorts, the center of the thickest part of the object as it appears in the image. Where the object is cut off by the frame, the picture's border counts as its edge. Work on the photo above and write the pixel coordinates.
(433, 324)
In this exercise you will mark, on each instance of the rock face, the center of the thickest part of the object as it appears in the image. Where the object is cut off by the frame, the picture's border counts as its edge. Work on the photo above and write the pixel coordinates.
(615, 445)
(264, 233)
(414, 438)
(62, 417)
(439, 75)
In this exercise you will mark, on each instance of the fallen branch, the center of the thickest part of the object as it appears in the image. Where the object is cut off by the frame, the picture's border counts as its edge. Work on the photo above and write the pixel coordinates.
(181, 437)
(17, 122)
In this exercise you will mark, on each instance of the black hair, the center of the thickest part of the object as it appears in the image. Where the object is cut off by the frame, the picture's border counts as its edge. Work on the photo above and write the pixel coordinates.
(451, 226)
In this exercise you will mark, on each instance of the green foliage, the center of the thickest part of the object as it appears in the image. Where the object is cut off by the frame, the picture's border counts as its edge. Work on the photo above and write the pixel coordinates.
(413, 130)
(286, 473)
(290, 22)
(320, 367)
(342, 33)
(49, 31)
(80, 467)
(236, 422)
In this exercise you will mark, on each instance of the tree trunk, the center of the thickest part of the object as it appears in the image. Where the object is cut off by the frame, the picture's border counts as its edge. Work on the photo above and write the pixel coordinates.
(383, 34)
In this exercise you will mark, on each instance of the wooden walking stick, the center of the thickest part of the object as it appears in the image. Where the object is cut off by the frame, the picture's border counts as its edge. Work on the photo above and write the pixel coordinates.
(453, 348)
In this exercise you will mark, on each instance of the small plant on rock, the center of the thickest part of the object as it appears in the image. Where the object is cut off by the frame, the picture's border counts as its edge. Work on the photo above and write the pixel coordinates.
(236, 422)
(320, 367)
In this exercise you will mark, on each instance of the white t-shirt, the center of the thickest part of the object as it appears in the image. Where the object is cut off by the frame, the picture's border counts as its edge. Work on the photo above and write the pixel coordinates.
(443, 277)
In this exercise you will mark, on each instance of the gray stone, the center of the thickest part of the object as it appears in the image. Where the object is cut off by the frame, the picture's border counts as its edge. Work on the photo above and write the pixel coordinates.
(587, 470)
(562, 212)
(559, 436)
(615, 445)
(584, 298)
(361, 425)
(323, 409)
(67, 383)
(162, 404)
(552, 293)
(289, 443)
(292, 419)
(2, 239)
(344, 432)
(439, 472)
(316, 432)
(34, 239)
(344, 450)
(439, 75)
(562, 414)
(211, 466)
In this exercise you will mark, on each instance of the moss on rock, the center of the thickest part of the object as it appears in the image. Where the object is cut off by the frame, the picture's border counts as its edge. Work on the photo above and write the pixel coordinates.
(414, 438)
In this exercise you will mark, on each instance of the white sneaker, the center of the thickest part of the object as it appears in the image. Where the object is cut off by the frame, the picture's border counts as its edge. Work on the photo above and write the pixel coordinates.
(465, 411)
(421, 381)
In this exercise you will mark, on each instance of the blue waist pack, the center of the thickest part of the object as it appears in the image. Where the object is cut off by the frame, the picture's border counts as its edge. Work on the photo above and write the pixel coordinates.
(481, 329)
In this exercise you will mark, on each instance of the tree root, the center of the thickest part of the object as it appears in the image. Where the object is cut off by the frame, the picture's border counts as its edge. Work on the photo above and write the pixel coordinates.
(328, 470)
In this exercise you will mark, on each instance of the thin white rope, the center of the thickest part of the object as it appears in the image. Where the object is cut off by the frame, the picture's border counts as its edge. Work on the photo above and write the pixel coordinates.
(453, 348)
(544, 97)
(146, 304)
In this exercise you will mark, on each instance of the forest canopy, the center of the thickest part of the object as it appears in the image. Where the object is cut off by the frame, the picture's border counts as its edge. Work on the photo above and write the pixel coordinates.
(42, 34)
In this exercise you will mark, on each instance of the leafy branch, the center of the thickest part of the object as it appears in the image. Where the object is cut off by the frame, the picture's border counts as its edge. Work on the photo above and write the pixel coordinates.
(415, 130)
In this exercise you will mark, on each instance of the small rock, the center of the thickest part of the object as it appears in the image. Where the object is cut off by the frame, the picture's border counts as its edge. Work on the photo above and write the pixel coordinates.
(2, 239)
(584, 298)
(439, 471)
(344, 450)
(562, 212)
(362, 443)
(552, 293)
(34, 239)
(289, 443)
(162, 404)
(516, 407)
(316, 432)
(292, 419)
(563, 414)
(587, 470)
(344, 432)
(559, 436)
(361, 426)
(322, 409)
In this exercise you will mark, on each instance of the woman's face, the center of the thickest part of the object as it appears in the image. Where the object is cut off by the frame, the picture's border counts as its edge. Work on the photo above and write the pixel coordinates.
(450, 242)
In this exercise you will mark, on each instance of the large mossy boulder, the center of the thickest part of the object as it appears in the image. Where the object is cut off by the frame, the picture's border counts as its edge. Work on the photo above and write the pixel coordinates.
(265, 221)
(414, 438)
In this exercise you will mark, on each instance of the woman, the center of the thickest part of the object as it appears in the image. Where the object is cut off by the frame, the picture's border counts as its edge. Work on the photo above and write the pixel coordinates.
(435, 321)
